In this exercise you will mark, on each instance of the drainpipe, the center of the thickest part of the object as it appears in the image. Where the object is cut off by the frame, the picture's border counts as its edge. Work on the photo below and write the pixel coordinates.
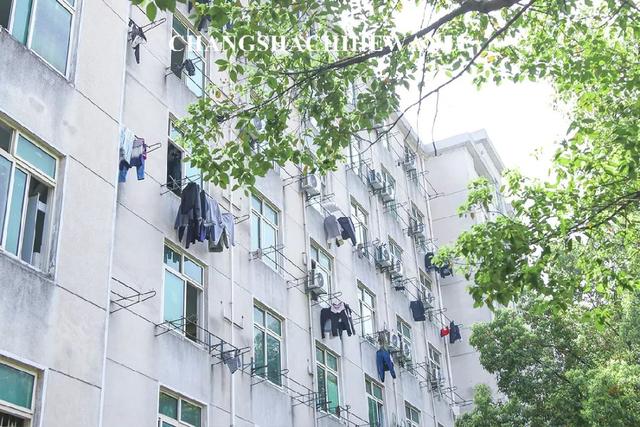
(105, 340)
(441, 316)
(379, 213)
(312, 346)
(232, 308)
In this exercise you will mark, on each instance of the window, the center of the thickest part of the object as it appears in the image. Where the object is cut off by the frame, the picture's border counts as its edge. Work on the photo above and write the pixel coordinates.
(405, 333)
(425, 292)
(179, 171)
(183, 287)
(367, 302)
(264, 230)
(395, 250)
(355, 158)
(43, 25)
(410, 156)
(17, 395)
(267, 344)
(359, 217)
(322, 263)
(27, 182)
(375, 402)
(435, 369)
(417, 215)
(327, 370)
(176, 411)
(412, 415)
(187, 46)
(390, 206)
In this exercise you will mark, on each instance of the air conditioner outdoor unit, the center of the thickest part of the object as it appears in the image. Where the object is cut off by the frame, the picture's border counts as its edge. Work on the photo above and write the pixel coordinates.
(316, 284)
(388, 193)
(409, 163)
(375, 180)
(415, 227)
(428, 300)
(311, 185)
(397, 269)
(362, 251)
(395, 343)
(383, 257)
(406, 353)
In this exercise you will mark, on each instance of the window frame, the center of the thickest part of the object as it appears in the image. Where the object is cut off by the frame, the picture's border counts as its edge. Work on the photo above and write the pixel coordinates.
(402, 327)
(360, 218)
(183, 163)
(267, 332)
(410, 153)
(162, 418)
(362, 305)
(409, 412)
(324, 366)
(186, 282)
(25, 414)
(31, 171)
(317, 249)
(379, 402)
(272, 259)
(431, 350)
(193, 32)
(395, 249)
(73, 11)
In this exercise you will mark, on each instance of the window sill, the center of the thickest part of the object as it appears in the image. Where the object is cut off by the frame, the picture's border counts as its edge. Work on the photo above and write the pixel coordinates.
(33, 269)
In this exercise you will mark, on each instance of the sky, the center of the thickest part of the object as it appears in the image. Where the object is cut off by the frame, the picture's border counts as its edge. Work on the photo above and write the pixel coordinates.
(520, 119)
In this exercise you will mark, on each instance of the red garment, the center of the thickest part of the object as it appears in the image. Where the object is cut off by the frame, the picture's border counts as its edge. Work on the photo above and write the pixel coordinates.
(444, 331)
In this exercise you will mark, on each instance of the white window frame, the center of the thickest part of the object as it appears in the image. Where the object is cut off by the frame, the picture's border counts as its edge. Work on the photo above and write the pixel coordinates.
(362, 289)
(327, 369)
(379, 402)
(31, 26)
(315, 251)
(166, 419)
(187, 281)
(268, 332)
(360, 219)
(25, 414)
(410, 153)
(432, 360)
(395, 249)
(31, 171)
(402, 326)
(273, 256)
(409, 412)
(183, 167)
(191, 32)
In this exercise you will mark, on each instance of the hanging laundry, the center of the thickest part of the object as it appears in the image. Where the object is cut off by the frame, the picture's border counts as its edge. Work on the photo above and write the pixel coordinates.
(446, 270)
(333, 229)
(189, 217)
(348, 229)
(428, 265)
(454, 332)
(126, 144)
(137, 158)
(136, 38)
(231, 358)
(339, 317)
(444, 331)
(417, 310)
(220, 227)
(384, 363)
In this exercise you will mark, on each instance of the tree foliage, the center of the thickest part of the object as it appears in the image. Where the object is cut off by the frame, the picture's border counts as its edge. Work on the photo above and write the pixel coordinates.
(559, 369)
(492, 39)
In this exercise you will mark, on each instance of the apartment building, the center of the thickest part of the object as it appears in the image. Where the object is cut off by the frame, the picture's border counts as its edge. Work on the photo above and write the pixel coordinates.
(107, 319)
(474, 156)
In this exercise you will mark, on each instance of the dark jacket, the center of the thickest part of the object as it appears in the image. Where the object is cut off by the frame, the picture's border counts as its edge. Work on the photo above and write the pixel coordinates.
(341, 321)
(348, 229)
(384, 363)
(417, 310)
(454, 332)
(189, 216)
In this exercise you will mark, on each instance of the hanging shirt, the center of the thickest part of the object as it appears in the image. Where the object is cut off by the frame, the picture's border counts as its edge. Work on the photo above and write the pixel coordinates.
(384, 363)
(417, 311)
(454, 333)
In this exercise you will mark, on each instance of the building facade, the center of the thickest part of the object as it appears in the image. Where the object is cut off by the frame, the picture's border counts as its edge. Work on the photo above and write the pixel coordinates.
(107, 319)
